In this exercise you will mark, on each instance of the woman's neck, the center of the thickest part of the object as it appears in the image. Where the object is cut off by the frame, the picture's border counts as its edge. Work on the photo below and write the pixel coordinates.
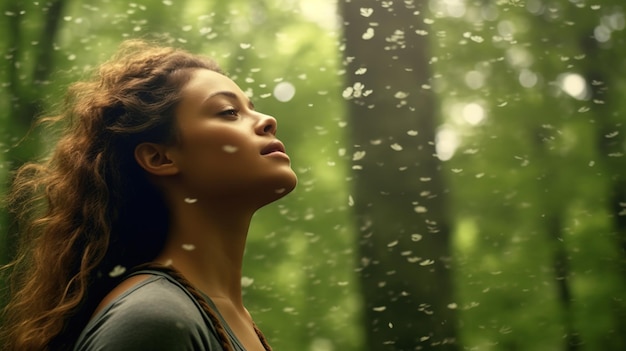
(206, 244)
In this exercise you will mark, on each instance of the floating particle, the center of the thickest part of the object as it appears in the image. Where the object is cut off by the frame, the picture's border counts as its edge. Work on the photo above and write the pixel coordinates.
(369, 34)
(190, 200)
(366, 11)
(477, 38)
(347, 93)
(452, 306)
(393, 243)
(401, 95)
(358, 155)
(396, 147)
(189, 247)
(612, 135)
(412, 132)
(416, 237)
(246, 281)
(380, 308)
(280, 190)
(168, 2)
(427, 262)
(230, 148)
(360, 71)
(117, 271)
(350, 201)
(420, 209)
(245, 45)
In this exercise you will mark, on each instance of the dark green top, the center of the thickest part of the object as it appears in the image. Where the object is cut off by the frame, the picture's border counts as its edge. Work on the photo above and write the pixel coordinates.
(158, 314)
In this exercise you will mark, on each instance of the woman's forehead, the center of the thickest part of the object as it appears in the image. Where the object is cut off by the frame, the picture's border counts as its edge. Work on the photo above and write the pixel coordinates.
(204, 83)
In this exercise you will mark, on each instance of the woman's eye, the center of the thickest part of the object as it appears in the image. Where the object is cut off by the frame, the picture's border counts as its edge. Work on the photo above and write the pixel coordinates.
(230, 113)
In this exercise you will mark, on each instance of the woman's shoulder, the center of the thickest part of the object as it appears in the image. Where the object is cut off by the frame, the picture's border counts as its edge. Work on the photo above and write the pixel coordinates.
(154, 297)
(154, 314)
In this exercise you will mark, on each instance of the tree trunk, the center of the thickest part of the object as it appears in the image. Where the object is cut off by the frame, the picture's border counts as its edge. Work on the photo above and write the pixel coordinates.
(603, 82)
(398, 192)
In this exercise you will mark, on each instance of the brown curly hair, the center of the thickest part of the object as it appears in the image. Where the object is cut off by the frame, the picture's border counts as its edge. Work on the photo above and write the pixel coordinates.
(89, 207)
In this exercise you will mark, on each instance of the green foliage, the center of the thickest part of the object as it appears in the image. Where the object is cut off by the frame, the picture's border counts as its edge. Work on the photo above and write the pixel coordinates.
(535, 171)
(534, 174)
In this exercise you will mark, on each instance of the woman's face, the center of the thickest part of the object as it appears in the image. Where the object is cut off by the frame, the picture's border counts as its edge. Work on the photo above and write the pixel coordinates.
(226, 150)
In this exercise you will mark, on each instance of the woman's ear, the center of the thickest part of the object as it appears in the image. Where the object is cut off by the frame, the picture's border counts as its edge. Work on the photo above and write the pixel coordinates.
(154, 159)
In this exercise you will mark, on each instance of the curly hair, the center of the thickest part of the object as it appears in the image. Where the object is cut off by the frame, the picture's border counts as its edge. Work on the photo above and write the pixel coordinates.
(89, 211)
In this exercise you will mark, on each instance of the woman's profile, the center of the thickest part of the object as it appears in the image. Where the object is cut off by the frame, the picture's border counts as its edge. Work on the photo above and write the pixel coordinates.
(132, 231)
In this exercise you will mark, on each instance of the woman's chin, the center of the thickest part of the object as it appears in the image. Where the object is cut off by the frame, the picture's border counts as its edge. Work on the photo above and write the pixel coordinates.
(278, 190)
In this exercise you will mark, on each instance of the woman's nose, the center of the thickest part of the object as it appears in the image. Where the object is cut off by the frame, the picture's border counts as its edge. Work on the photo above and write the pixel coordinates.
(266, 125)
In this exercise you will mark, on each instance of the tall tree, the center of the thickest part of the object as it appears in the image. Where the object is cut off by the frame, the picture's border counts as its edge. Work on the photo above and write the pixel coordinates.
(606, 83)
(398, 191)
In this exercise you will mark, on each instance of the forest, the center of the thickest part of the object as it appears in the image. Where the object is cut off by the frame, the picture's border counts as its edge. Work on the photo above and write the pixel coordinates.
(461, 163)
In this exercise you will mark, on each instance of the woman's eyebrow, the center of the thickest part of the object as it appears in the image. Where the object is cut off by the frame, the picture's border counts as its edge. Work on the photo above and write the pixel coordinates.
(228, 94)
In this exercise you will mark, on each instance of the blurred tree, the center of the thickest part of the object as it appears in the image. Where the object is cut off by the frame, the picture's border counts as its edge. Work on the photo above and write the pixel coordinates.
(29, 62)
(528, 92)
(398, 192)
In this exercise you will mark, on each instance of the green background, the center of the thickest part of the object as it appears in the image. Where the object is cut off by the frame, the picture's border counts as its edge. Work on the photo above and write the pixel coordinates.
(523, 125)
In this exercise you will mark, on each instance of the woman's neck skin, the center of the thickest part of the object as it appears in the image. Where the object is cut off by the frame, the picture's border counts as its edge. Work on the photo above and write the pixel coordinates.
(206, 244)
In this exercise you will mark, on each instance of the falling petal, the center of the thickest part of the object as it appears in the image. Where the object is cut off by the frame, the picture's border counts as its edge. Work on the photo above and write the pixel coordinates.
(396, 147)
(416, 237)
(189, 247)
(117, 271)
(190, 200)
(369, 34)
(246, 281)
(366, 11)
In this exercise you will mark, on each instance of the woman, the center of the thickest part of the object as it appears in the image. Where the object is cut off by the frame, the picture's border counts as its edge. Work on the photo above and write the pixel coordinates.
(143, 209)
